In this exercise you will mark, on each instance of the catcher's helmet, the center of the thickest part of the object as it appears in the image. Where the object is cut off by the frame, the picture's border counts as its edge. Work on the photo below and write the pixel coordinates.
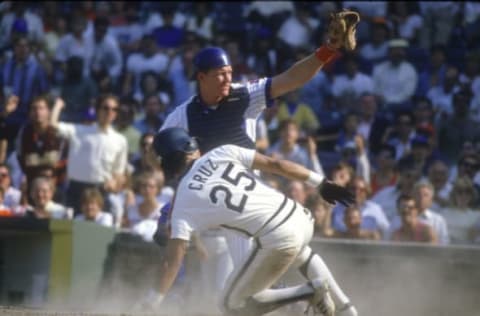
(172, 141)
(210, 58)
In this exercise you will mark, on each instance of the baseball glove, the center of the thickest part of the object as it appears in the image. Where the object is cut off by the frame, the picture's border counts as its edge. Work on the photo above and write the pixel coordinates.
(342, 28)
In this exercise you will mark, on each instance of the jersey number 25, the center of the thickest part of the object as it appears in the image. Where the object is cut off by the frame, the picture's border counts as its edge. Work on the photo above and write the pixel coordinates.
(227, 193)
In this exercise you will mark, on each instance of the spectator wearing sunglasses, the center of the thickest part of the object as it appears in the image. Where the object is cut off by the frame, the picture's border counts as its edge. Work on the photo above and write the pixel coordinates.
(97, 154)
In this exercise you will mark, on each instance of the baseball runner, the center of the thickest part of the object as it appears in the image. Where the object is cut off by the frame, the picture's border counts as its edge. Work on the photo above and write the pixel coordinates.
(219, 189)
(223, 112)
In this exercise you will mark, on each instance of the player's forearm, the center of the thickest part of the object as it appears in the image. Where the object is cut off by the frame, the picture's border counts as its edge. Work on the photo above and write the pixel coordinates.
(285, 168)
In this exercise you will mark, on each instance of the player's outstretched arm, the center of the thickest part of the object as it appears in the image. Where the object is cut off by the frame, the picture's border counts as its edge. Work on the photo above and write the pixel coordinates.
(331, 192)
(340, 34)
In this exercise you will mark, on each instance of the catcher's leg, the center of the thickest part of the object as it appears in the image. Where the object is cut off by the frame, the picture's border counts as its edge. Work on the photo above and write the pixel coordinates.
(312, 267)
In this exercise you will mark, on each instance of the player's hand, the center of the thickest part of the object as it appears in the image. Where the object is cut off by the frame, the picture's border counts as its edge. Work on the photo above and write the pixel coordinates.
(333, 193)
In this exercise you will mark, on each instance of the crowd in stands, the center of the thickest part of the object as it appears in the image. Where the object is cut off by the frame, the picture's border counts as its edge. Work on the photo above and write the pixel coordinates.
(85, 86)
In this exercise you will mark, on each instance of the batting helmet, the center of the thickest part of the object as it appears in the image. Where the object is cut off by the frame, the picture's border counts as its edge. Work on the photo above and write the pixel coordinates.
(172, 141)
(210, 58)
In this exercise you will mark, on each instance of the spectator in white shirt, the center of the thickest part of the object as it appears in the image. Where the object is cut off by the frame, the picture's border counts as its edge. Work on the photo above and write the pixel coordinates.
(376, 49)
(297, 30)
(107, 56)
(200, 22)
(395, 80)
(77, 43)
(349, 86)
(92, 209)
(97, 153)
(148, 59)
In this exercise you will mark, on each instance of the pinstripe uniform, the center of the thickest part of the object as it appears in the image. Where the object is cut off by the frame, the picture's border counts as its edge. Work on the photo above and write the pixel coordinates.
(220, 190)
(233, 121)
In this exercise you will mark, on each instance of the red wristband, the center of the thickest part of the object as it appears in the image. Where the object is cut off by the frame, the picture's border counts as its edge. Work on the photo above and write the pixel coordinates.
(325, 54)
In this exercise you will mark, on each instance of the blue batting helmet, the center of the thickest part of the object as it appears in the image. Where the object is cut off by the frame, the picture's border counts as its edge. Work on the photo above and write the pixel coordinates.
(210, 58)
(171, 141)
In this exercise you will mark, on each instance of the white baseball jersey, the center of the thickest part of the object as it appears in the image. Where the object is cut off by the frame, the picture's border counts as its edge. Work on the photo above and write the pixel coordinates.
(220, 190)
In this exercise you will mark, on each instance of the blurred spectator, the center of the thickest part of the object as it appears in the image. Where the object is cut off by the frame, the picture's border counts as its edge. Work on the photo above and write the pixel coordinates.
(269, 15)
(407, 23)
(142, 217)
(387, 197)
(348, 87)
(43, 206)
(454, 130)
(11, 195)
(79, 92)
(5, 211)
(348, 132)
(423, 115)
(200, 22)
(471, 72)
(241, 70)
(459, 215)
(296, 191)
(288, 147)
(438, 174)
(147, 59)
(23, 76)
(107, 56)
(342, 174)
(372, 124)
(291, 107)
(385, 173)
(297, 30)
(424, 193)
(123, 124)
(375, 50)
(263, 57)
(168, 35)
(38, 145)
(10, 106)
(352, 220)
(434, 72)
(441, 95)
(395, 80)
(322, 212)
(20, 22)
(97, 153)
(76, 43)
(155, 18)
(145, 162)
(152, 83)
(230, 21)
(439, 19)
(154, 114)
(180, 73)
(371, 214)
(421, 153)
(411, 228)
(401, 135)
(355, 154)
(55, 29)
(92, 209)
(126, 27)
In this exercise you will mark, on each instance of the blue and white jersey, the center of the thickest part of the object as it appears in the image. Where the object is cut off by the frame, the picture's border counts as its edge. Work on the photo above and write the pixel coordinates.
(232, 121)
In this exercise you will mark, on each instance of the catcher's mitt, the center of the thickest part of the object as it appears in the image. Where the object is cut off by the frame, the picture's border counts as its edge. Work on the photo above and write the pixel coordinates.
(342, 28)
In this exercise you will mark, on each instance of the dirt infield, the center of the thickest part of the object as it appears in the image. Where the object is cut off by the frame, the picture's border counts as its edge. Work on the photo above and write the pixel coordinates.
(18, 311)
